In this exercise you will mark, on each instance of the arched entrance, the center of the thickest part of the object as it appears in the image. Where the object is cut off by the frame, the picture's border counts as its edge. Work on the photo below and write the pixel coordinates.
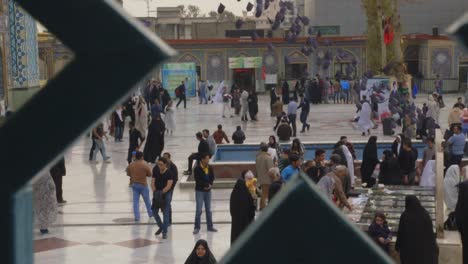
(191, 58)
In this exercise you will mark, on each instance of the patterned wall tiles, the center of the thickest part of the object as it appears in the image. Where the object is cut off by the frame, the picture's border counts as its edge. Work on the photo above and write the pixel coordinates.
(23, 61)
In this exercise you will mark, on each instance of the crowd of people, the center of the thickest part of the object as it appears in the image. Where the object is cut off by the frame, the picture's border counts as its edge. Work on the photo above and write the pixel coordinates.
(152, 118)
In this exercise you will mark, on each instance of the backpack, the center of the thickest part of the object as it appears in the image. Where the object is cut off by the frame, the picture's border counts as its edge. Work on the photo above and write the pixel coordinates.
(177, 92)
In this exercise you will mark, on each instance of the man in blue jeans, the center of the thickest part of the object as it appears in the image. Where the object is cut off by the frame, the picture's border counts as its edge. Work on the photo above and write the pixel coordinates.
(163, 180)
(138, 171)
(457, 145)
(203, 183)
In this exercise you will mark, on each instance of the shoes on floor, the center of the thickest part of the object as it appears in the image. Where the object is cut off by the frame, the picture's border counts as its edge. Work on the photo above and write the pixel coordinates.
(212, 229)
(158, 232)
(62, 202)
(187, 172)
(44, 231)
(165, 236)
(196, 231)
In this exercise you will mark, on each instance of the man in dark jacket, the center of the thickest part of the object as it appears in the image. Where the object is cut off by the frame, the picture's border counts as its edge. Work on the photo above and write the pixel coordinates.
(204, 179)
(238, 136)
(182, 96)
(203, 147)
(57, 172)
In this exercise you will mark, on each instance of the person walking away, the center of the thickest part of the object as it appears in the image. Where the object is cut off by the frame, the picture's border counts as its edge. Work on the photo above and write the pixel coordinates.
(203, 148)
(238, 136)
(292, 113)
(204, 178)
(263, 163)
(175, 172)
(407, 160)
(416, 241)
(226, 102)
(245, 105)
(211, 142)
(277, 111)
(438, 84)
(44, 202)
(219, 135)
(305, 109)
(57, 172)
(165, 98)
(365, 117)
(201, 254)
(138, 171)
(182, 94)
(242, 209)
(457, 145)
(155, 141)
(98, 135)
(119, 122)
(135, 141)
(161, 184)
(253, 105)
(202, 92)
(169, 117)
(461, 217)
(369, 162)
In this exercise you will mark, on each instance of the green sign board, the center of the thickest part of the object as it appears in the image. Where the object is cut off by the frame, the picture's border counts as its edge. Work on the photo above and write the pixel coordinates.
(174, 73)
(245, 62)
(326, 30)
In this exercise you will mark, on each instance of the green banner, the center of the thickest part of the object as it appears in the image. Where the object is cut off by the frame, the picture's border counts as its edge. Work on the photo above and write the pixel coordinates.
(245, 62)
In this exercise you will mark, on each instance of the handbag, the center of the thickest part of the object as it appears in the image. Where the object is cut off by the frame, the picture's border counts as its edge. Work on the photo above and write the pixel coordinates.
(451, 224)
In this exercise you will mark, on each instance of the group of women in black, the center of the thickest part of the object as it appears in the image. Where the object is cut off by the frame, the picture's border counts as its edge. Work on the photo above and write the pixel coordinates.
(398, 166)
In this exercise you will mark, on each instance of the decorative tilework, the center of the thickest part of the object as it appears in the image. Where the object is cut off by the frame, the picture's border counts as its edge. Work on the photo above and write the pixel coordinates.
(441, 62)
(216, 64)
(23, 61)
(52, 243)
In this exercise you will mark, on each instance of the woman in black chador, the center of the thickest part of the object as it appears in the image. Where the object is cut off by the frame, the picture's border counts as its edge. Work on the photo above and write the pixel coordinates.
(416, 240)
(369, 161)
(242, 209)
(201, 254)
(155, 140)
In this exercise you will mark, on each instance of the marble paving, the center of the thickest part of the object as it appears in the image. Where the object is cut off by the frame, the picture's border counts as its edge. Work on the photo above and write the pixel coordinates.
(96, 225)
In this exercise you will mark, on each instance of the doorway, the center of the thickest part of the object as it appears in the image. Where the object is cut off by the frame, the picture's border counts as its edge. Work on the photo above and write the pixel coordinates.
(244, 78)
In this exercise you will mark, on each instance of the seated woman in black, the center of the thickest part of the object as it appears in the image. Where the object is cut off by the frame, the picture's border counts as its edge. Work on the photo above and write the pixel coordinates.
(390, 173)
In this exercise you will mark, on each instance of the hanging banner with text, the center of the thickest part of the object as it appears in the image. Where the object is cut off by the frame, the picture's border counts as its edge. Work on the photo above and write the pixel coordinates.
(174, 73)
(245, 62)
